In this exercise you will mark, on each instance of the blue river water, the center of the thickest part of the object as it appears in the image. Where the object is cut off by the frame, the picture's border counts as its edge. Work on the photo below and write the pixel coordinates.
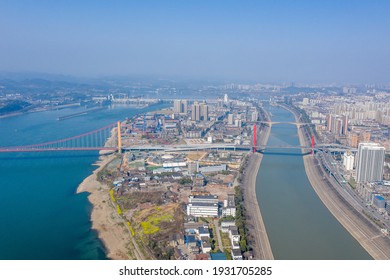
(298, 224)
(41, 216)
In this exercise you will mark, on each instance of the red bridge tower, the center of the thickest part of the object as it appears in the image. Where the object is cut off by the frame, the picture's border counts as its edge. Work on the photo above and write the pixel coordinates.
(312, 144)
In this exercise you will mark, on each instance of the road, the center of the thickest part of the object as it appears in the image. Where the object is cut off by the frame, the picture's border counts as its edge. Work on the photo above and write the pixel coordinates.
(218, 233)
(329, 164)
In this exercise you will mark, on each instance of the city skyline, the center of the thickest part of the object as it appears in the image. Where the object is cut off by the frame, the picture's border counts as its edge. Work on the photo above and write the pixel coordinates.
(258, 40)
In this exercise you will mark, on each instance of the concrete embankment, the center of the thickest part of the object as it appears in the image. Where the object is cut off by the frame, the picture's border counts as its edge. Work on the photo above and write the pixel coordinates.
(260, 243)
(367, 234)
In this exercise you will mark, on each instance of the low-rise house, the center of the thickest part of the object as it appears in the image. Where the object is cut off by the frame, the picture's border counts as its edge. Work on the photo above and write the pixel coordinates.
(235, 244)
(233, 234)
(190, 240)
(202, 257)
(236, 254)
(205, 245)
(175, 239)
(226, 224)
(203, 232)
(229, 207)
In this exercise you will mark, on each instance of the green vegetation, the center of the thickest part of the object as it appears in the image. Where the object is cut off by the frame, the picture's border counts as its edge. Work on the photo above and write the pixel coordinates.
(225, 240)
(131, 200)
(130, 228)
(13, 106)
(305, 119)
(374, 220)
(227, 218)
(228, 254)
(241, 220)
(153, 167)
(185, 180)
(151, 226)
(119, 210)
(352, 183)
(112, 195)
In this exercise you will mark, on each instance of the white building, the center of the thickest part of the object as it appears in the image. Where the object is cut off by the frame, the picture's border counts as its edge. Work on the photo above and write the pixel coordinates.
(205, 244)
(348, 161)
(225, 225)
(370, 162)
(202, 209)
(229, 206)
(254, 116)
(202, 205)
(225, 98)
(230, 119)
(213, 168)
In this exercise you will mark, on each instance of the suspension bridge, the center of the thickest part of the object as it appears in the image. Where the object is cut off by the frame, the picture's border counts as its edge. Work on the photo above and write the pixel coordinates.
(271, 123)
(95, 140)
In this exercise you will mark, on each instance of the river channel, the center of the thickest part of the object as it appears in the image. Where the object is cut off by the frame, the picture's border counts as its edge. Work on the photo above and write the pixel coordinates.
(298, 224)
(41, 215)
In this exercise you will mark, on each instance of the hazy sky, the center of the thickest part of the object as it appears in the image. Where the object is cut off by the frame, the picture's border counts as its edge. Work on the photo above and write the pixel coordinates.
(266, 41)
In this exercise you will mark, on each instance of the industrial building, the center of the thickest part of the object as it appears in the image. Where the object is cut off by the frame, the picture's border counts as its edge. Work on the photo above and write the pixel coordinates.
(202, 206)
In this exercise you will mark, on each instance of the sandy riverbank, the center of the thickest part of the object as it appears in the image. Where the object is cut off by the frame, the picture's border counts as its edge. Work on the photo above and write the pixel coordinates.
(104, 217)
(261, 246)
(368, 235)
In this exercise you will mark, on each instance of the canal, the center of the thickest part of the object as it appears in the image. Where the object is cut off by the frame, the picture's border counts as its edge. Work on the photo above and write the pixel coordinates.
(298, 224)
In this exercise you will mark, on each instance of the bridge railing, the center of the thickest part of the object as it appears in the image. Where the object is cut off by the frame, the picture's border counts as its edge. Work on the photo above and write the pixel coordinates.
(92, 140)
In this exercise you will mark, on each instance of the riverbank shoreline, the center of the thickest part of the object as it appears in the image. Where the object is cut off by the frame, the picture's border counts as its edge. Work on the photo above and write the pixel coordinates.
(366, 234)
(261, 248)
(103, 216)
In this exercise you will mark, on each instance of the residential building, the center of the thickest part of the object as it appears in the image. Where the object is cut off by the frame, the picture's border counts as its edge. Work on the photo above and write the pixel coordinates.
(195, 114)
(230, 119)
(370, 162)
(236, 254)
(180, 106)
(229, 207)
(348, 160)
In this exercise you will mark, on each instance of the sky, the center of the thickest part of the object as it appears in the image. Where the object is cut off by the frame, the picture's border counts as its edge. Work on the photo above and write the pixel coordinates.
(263, 41)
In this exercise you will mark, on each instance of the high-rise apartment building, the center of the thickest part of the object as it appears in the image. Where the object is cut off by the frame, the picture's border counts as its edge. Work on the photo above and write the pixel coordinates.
(179, 106)
(195, 115)
(225, 98)
(337, 124)
(230, 119)
(204, 112)
(370, 161)
(254, 116)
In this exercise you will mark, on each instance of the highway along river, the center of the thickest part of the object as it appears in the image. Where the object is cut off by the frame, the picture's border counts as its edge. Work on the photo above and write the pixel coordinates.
(298, 224)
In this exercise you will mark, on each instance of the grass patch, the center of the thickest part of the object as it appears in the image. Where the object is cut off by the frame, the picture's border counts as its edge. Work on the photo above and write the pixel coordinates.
(352, 183)
(153, 167)
(151, 226)
(112, 195)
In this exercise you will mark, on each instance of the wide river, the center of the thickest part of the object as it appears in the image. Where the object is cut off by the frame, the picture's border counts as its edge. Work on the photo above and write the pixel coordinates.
(41, 215)
(298, 224)
(43, 218)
